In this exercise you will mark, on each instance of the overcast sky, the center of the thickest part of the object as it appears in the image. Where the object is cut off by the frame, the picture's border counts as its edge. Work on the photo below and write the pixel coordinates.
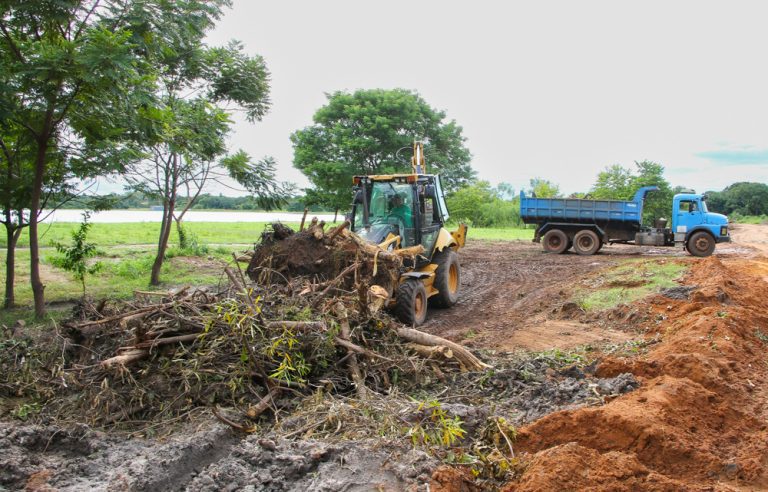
(551, 89)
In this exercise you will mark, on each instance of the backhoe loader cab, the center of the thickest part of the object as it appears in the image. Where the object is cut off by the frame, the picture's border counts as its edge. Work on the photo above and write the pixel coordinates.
(407, 213)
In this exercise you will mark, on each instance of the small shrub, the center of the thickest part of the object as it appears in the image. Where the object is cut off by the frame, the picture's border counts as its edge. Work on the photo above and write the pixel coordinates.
(437, 428)
(78, 252)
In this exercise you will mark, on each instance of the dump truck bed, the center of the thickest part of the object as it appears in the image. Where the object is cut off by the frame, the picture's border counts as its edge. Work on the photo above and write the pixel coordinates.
(538, 210)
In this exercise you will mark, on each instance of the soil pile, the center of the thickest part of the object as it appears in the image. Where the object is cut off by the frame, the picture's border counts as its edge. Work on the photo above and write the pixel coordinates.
(337, 259)
(699, 418)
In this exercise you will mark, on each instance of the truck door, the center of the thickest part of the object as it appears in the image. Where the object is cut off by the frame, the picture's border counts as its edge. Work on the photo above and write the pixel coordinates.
(689, 215)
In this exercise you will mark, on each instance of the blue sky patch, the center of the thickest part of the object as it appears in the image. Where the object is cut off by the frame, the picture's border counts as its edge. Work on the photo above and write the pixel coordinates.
(734, 157)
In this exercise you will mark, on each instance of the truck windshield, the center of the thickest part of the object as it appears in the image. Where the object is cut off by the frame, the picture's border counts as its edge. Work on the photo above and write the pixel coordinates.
(704, 207)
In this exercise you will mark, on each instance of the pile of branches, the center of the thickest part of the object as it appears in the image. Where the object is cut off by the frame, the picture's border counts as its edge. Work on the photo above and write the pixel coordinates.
(306, 316)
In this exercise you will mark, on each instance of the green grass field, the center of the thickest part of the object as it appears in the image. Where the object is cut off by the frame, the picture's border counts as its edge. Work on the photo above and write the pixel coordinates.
(148, 232)
(206, 232)
(629, 282)
(126, 252)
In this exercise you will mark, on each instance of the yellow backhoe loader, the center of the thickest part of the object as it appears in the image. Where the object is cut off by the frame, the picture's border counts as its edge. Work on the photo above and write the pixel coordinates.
(408, 212)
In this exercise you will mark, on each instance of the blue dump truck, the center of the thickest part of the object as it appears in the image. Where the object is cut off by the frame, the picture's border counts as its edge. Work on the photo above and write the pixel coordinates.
(586, 225)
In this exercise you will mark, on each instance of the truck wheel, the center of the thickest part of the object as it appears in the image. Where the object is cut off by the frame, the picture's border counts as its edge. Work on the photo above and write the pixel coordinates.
(447, 278)
(586, 242)
(701, 244)
(555, 241)
(411, 304)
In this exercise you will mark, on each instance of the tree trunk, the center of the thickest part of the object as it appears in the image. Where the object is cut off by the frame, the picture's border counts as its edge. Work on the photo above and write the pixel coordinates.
(38, 289)
(165, 233)
(10, 262)
(335, 215)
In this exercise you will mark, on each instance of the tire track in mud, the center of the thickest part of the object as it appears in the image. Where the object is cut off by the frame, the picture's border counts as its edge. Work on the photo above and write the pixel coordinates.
(185, 460)
(505, 285)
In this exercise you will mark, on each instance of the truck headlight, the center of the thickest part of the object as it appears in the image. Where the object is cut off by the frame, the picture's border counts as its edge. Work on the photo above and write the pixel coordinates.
(724, 230)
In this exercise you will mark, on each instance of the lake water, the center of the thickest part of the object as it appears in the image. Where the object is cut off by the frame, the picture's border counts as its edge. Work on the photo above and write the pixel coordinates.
(118, 216)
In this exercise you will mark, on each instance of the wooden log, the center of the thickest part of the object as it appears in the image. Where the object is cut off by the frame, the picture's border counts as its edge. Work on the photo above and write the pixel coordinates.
(127, 357)
(360, 350)
(303, 326)
(411, 251)
(376, 296)
(354, 368)
(431, 352)
(149, 293)
(264, 403)
(371, 249)
(168, 340)
(303, 218)
(467, 360)
(126, 320)
(89, 327)
(317, 230)
(247, 429)
(338, 230)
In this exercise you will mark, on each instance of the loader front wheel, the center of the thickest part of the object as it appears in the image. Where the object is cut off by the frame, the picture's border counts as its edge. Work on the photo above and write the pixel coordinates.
(411, 304)
(447, 279)
(555, 241)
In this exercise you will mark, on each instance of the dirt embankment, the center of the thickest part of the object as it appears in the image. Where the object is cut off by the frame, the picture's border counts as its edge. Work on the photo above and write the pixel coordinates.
(700, 419)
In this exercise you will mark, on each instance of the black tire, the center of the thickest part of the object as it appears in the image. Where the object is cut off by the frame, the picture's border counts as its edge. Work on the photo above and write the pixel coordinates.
(411, 304)
(701, 244)
(555, 241)
(586, 242)
(447, 279)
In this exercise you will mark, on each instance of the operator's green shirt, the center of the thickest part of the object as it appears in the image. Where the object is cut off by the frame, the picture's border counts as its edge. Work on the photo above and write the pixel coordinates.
(403, 213)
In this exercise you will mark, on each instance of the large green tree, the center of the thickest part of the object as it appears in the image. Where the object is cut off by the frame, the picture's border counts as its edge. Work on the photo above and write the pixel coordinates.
(743, 198)
(619, 183)
(484, 206)
(76, 76)
(185, 144)
(543, 188)
(371, 132)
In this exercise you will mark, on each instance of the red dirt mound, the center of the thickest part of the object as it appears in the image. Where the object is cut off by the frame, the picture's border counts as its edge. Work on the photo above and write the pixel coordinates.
(700, 418)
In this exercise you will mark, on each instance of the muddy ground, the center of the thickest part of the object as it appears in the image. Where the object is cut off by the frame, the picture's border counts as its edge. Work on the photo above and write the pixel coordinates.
(667, 393)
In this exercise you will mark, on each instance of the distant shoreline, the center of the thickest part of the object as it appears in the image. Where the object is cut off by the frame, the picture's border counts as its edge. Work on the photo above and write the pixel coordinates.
(145, 215)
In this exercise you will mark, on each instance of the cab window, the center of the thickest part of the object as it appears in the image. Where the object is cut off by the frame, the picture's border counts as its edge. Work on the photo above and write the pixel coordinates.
(688, 206)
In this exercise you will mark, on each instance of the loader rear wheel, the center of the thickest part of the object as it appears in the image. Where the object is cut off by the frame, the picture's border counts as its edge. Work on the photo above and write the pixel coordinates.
(447, 279)
(555, 241)
(701, 244)
(586, 242)
(411, 304)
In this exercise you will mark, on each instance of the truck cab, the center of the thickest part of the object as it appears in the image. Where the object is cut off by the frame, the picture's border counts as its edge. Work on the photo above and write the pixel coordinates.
(695, 226)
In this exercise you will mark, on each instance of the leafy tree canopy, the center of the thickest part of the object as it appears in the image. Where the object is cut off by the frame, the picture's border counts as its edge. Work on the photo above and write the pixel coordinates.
(543, 188)
(78, 84)
(481, 205)
(740, 198)
(371, 132)
(619, 183)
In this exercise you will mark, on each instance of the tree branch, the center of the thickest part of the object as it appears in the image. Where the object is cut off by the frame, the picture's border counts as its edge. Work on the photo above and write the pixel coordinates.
(11, 43)
(85, 20)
